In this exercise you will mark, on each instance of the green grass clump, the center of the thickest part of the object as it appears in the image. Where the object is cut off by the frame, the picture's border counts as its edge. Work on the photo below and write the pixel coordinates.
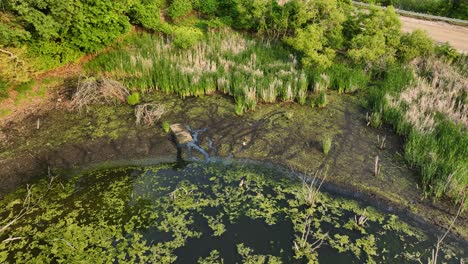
(133, 99)
(24, 87)
(326, 144)
(166, 126)
(321, 101)
(248, 69)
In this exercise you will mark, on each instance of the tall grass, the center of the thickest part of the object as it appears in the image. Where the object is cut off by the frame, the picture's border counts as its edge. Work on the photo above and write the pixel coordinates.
(430, 111)
(250, 70)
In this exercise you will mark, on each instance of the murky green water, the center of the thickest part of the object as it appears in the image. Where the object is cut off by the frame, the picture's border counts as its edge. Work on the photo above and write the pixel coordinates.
(199, 213)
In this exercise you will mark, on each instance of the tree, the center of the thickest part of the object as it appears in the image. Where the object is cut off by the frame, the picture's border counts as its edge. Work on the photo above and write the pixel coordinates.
(377, 39)
(312, 43)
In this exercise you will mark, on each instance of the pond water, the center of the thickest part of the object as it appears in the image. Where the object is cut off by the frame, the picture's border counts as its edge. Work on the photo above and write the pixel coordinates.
(199, 213)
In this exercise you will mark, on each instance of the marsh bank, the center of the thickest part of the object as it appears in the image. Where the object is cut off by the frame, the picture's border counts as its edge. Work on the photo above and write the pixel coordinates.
(281, 134)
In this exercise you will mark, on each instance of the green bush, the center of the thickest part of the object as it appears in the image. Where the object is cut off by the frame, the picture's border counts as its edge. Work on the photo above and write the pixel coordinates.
(12, 34)
(133, 99)
(147, 13)
(415, 44)
(185, 37)
(179, 8)
(207, 7)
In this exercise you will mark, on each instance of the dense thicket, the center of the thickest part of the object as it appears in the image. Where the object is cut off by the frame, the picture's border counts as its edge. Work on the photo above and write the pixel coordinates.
(446, 8)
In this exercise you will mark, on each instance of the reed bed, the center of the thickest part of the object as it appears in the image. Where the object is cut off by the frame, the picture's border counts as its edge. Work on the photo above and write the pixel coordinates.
(251, 71)
(430, 110)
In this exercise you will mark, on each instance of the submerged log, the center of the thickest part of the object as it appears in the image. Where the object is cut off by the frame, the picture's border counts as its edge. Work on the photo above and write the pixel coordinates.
(182, 135)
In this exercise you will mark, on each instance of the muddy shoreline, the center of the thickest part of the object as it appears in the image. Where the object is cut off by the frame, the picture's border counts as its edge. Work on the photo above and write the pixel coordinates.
(286, 136)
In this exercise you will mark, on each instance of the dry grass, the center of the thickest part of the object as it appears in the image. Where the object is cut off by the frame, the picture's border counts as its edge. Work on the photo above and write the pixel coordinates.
(92, 90)
(149, 113)
(443, 91)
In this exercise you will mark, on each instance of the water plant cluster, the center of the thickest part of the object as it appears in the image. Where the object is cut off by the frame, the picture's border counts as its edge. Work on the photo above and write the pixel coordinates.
(173, 214)
(251, 70)
(426, 103)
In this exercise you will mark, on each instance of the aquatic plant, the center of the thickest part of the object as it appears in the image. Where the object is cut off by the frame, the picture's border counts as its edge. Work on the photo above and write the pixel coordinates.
(140, 214)
(326, 144)
(133, 99)
(428, 110)
(166, 126)
(250, 70)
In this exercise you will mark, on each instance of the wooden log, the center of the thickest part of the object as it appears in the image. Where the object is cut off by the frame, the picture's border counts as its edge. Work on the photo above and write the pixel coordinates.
(181, 134)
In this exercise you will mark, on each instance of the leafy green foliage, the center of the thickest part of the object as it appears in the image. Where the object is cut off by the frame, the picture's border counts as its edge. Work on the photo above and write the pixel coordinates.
(447, 52)
(140, 214)
(133, 99)
(376, 41)
(311, 42)
(147, 13)
(415, 44)
(11, 32)
(185, 37)
(180, 8)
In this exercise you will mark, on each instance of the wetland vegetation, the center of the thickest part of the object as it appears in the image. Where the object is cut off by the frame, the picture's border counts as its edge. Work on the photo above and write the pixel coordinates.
(207, 213)
(286, 80)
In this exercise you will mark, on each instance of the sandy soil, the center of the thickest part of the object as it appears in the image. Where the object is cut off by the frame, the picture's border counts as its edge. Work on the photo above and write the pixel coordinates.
(441, 32)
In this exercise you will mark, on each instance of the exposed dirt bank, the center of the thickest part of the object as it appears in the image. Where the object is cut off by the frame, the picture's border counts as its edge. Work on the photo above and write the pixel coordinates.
(288, 135)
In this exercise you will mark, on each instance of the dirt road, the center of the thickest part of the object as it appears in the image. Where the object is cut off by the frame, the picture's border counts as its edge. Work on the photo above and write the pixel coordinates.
(441, 32)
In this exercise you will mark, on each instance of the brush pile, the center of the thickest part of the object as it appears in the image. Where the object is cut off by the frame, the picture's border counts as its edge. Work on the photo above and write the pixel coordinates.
(149, 113)
(91, 90)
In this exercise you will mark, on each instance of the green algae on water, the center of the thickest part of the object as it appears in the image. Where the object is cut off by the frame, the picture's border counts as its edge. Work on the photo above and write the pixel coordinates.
(209, 213)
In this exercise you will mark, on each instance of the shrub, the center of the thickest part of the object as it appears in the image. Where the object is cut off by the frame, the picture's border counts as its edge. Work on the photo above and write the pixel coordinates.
(207, 7)
(133, 99)
(326, 144)
(185, 37)
(415, 44)
(146, 14)
(179, 8)
(165, 126)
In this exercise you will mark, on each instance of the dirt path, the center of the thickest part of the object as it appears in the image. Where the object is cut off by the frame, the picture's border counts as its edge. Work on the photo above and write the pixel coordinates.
(441, 32)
